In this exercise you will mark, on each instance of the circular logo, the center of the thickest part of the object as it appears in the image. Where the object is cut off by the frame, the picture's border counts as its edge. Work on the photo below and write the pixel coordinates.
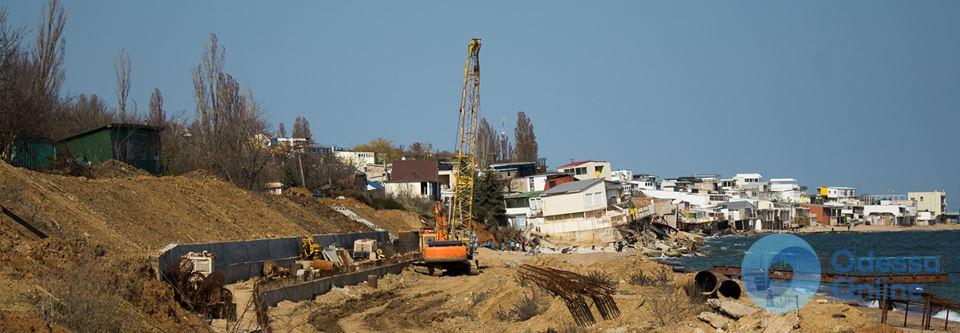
(780, 272)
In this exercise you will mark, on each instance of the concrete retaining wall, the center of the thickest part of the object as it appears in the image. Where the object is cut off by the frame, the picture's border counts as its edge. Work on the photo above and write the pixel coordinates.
(242, 260)
(310, 289)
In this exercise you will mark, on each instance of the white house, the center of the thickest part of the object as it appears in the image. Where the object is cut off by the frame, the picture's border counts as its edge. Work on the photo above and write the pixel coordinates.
(577, 211)
(582, 170)
(418, 179)
(523, 207)
(696, 199)
(747, 180)
(786, 189)
(837, 192)
(357, 159)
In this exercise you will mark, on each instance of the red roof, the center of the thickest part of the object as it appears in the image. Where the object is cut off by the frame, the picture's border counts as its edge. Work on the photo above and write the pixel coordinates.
(573, 164)
(410, 171)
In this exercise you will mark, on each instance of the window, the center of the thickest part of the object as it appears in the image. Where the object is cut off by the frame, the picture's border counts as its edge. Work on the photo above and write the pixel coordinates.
(598, 169)
(424, 188)
(581, 171)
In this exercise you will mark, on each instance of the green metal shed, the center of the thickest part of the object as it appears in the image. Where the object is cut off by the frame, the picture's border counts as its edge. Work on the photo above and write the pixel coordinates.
(133, 144)
(33, 153)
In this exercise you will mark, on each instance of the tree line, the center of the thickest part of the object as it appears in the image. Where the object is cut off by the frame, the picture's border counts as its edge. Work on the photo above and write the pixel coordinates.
(491, 146)
(222, 135)
(225, 134)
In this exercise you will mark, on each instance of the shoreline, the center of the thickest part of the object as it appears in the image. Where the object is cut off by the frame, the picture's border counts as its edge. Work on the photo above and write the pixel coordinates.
(875, 228)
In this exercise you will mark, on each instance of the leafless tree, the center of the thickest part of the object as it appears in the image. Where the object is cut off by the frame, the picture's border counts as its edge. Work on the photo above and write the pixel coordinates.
(157, 116)
(228, 123)
(82, 112)
(50, 50)
(506, 148)
(526, 141)
(488, 146)
(282, 130)
(301, 128)
(123, 70)
(30, 80)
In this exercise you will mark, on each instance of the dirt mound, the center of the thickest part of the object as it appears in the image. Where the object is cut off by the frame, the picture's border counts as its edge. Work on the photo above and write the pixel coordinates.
(115, 169)
(392, 220)
(109, 225)
(145, 213)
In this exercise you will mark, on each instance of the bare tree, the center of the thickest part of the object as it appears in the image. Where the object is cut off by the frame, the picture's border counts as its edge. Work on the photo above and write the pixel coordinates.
(282, 131)
(505, 149)
(488, 147)
(227, 123)
(30, 81)
(82, 112)
(157, 116)
(50, 50)
(526, 140)
(123, 70)
(301, 128)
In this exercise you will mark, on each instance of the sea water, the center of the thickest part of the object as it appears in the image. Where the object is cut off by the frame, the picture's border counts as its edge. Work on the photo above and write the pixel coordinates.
(945, 245)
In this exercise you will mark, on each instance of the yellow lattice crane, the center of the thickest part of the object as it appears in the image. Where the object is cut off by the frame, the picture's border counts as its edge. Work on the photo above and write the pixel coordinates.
(450, 245)
(461, 206)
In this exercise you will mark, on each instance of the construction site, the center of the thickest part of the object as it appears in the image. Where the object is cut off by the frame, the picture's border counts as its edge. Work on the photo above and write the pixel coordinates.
(241, 229)
(94, 252)
(123, 250)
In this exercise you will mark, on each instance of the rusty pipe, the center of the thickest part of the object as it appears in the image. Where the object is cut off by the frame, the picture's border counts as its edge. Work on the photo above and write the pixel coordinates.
(729, 288)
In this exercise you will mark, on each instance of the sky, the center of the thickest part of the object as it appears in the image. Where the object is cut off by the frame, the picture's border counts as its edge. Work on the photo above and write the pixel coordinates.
(833, 93)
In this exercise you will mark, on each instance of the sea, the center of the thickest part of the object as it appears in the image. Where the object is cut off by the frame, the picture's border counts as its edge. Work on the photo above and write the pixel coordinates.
(945, 245)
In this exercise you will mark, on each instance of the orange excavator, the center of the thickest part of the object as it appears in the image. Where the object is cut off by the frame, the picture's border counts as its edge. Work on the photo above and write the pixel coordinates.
(440, 251)
(450, 245)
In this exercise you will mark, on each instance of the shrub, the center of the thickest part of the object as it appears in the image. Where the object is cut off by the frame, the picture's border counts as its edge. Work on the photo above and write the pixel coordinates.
(528, 307)
(386, 203)
(659, 278)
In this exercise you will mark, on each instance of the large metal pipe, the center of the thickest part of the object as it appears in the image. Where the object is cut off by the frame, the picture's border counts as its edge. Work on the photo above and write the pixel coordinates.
(709, 283)
(706, 282)
(729, 288)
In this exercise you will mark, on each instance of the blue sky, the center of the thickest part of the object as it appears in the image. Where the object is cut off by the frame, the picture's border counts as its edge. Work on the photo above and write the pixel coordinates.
(855, 93)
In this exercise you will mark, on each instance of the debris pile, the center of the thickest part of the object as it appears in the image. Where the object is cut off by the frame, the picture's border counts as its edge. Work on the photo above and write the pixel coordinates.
(200, 293)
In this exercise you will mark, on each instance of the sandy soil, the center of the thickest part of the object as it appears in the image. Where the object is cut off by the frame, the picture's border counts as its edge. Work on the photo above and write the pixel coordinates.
(102, 230)
(394, 221)
(415, 302)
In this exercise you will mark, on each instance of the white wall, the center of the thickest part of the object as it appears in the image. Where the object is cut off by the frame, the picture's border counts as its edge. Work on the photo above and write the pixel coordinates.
(357, 159)
(590, 168)
(587, 200)
(409, 190)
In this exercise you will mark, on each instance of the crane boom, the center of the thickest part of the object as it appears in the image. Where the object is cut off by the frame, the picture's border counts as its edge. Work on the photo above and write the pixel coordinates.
(466, 165)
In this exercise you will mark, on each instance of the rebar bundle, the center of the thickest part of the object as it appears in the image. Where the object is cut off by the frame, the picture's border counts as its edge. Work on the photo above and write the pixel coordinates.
(574, 289)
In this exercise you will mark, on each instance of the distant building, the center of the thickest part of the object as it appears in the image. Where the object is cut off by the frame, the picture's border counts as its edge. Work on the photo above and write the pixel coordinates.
(520, 207)
(514, 170)
(133, 144)
(582, 170)
(357, 159)
(578, 211)
(834, 192)
(933, 202)
(745, 180)
(786, 190)
(555, 180)
(418, 179)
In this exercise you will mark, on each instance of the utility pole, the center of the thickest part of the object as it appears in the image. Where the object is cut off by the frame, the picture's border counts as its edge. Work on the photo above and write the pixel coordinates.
(303, 180)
